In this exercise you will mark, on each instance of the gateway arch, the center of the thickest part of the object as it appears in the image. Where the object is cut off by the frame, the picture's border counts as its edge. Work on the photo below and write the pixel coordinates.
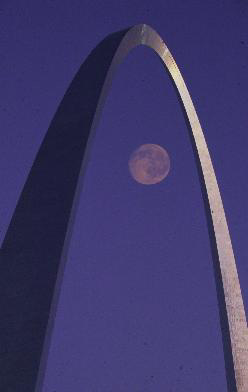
(34, 249)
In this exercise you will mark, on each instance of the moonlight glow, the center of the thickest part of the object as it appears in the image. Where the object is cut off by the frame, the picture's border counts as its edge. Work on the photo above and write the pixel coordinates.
(149, 164)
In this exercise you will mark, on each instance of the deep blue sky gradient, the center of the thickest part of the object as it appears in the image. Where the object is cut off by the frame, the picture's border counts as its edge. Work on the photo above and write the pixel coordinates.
(138, 307)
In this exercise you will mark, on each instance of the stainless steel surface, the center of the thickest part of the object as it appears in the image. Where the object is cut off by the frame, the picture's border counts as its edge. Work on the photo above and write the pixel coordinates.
(34, 250)
(145, 35)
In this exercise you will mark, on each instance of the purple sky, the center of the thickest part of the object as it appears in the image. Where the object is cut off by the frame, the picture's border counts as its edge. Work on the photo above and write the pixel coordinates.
(138, 307)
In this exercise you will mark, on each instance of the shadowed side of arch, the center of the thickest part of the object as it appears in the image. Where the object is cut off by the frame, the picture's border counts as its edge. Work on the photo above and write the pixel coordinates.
(34, 250)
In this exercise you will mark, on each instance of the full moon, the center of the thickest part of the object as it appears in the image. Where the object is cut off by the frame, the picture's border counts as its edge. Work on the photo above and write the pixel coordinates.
(149, 164)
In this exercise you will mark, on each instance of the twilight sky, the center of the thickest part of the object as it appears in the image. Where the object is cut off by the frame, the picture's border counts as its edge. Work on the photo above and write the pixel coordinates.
(138, 307)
